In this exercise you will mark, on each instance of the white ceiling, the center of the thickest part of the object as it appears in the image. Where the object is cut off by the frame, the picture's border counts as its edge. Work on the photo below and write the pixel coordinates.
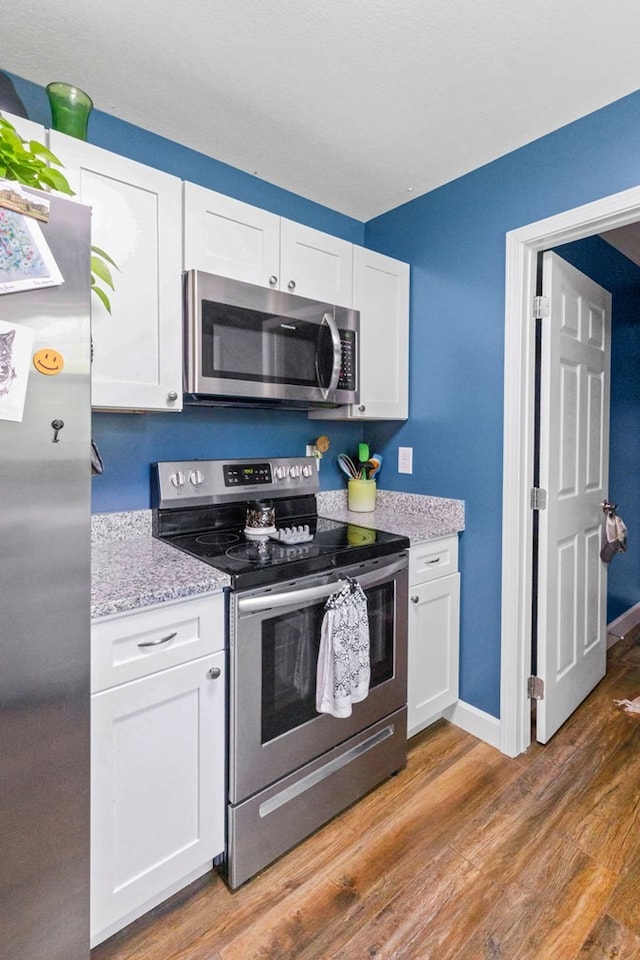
(357, 104)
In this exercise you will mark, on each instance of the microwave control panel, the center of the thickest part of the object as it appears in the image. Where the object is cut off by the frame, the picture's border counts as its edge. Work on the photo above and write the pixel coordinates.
(347, 379)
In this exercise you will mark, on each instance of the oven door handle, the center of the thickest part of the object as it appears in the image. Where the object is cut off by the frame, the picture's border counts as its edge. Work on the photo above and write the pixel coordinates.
(310, 594)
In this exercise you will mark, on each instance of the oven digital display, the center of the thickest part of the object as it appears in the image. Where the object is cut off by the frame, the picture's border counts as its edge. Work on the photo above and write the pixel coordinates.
(246, 474)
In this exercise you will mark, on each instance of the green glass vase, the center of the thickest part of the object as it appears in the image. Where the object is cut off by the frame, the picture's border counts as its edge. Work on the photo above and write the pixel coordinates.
(70, 109)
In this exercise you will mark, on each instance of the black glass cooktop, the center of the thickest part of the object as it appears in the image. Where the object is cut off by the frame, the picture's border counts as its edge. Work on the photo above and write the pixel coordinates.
(252, 562)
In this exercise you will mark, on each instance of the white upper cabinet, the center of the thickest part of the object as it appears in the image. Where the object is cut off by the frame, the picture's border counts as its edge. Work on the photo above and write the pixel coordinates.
(233, 239)
(381, 294)
(136, 219)
(316, 265)
(230, 238)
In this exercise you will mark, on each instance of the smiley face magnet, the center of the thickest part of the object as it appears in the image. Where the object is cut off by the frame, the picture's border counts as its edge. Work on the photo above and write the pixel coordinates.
(48, 361)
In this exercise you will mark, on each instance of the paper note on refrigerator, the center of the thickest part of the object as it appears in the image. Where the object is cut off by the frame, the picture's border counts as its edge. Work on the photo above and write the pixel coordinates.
(16, 345)
(26, 261)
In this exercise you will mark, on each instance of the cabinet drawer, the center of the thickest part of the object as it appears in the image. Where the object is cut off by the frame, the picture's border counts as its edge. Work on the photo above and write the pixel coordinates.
(138, 644)
(435, 558)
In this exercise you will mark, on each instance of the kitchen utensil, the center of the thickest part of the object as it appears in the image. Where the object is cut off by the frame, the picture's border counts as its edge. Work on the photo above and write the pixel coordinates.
(363, 452)
(375, 463)
(347, 466)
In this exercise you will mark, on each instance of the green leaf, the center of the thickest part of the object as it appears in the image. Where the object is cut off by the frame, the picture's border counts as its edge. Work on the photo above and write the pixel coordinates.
(40, 150)
(105, 256)
(102, 296)
(53, 178)
(12, 138)
(101, 270)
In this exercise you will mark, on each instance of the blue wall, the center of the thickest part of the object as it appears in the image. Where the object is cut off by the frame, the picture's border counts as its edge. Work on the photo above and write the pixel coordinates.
(129, 442)
(454, 238)
(608, 267)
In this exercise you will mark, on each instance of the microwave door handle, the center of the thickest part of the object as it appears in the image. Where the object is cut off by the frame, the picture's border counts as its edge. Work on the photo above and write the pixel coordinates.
(329, 319)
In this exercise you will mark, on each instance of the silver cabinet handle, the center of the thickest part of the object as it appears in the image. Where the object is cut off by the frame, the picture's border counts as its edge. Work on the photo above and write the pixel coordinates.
(172, 396)
(291, 285)
(435, 560)
(273, 279)
(156, 643)
(415, 599)
(214, 673)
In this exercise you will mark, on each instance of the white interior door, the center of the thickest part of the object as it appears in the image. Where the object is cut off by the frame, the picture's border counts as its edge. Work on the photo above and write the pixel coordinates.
(574, 470)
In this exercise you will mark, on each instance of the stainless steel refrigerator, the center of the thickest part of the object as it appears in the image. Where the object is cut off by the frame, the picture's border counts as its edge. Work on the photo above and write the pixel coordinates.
(45, 526)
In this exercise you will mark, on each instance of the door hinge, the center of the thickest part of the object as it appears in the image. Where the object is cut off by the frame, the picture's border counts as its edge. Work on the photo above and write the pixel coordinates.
(538, 498)
(535, 688)
(540, 308)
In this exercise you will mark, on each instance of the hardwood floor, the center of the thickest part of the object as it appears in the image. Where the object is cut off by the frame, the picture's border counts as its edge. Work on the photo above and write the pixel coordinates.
(464, 855)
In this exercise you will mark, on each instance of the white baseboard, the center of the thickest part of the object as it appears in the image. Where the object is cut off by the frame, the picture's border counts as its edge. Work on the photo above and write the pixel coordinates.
(618, 628)
(482, 725)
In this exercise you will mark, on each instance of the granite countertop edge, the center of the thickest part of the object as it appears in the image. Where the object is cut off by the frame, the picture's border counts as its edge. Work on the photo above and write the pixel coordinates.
(132, 570)
(416, 516)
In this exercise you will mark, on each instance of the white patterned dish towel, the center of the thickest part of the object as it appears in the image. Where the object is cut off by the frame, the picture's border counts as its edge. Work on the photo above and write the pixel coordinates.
(343, 659)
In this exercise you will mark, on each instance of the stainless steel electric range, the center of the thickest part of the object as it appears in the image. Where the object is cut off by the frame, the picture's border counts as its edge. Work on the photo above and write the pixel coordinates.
(290, 768)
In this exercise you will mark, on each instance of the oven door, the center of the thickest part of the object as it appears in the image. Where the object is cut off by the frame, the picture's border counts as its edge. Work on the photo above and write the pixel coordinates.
(275, 636)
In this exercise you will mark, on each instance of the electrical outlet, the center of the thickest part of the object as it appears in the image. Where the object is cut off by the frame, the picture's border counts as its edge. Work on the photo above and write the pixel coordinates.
(405, 459)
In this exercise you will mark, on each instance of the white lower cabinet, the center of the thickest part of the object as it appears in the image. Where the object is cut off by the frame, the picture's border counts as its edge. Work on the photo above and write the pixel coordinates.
(434, 602)
(157, 757)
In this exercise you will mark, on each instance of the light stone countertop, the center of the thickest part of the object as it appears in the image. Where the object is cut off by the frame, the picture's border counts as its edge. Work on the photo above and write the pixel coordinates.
(413, 515)
(131, 569)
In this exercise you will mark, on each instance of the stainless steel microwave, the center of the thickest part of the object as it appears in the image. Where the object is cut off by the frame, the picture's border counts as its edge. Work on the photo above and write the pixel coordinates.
(249, 345)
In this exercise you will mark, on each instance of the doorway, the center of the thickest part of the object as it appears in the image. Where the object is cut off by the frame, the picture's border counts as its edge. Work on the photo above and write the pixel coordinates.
(522, 248)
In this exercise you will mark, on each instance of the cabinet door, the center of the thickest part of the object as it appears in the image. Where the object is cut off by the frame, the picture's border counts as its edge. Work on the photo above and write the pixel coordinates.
(315, 264)
(381, 294)
(230, 238)
(433, 650)
(157, 786)
(136, 219)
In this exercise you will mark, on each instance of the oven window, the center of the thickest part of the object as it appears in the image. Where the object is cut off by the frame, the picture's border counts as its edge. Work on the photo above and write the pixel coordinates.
(243, 344)
(290, 644)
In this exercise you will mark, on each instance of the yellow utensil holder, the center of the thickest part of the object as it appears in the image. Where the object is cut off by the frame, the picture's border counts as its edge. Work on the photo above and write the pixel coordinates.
(361, 495)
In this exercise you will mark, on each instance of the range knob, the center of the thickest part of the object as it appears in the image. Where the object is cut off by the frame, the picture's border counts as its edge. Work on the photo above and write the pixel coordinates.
(281, 472)
(178, 478)
(294, 471)
(196, 477)
(307, 470)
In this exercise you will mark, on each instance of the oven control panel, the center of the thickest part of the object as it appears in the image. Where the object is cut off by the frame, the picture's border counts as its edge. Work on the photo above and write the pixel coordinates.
(201, 482)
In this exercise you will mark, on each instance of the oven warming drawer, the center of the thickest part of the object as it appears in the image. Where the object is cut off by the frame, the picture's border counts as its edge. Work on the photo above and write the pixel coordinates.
(268, 824)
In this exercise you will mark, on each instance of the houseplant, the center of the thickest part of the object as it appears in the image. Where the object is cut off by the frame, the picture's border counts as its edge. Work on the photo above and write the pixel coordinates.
(34, 165)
